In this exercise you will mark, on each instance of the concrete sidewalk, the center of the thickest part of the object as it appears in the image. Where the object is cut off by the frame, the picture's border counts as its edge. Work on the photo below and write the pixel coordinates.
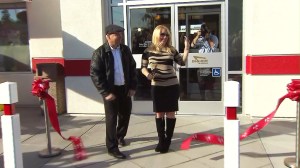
(265, 149)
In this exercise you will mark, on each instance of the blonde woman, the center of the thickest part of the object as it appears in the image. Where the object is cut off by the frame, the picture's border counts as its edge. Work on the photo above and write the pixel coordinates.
(160, 56)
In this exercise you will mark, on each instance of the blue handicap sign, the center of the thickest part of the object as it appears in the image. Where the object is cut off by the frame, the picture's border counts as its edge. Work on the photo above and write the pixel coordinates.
(216, 72)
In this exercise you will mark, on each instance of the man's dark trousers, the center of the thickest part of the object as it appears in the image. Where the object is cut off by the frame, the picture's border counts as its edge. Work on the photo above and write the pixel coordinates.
(117, 115)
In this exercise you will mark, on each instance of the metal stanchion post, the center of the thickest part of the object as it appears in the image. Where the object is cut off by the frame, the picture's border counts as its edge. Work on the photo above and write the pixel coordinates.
(291, 161)
(49, 152)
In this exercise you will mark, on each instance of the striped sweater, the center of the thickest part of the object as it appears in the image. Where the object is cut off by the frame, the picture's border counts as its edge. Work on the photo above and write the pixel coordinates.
(161, 65)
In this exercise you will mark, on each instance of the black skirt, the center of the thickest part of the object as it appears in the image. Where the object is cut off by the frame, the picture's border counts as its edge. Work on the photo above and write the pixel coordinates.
(165, 98)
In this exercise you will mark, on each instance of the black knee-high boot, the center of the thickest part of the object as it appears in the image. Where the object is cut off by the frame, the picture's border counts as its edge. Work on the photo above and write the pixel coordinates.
(169, 132)
(160, 127)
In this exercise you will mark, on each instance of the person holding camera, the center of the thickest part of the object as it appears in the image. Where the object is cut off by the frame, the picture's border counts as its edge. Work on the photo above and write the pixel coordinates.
(204, 41)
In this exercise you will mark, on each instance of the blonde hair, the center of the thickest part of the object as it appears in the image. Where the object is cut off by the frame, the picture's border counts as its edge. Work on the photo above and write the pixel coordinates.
(156, 40)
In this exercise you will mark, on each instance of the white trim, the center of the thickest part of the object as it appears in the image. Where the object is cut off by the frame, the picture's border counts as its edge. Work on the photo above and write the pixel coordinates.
(225, 40)
(234, 72)
(125, 22)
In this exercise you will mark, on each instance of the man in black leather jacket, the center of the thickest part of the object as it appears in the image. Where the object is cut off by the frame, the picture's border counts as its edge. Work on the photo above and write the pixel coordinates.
(113, 72)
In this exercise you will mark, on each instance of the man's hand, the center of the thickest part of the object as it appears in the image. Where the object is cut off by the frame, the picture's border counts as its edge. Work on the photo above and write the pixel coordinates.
(131, 93)
(110, 97)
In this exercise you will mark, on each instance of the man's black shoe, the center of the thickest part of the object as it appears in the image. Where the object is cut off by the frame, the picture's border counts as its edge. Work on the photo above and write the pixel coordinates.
(117, 154)
(122, 142)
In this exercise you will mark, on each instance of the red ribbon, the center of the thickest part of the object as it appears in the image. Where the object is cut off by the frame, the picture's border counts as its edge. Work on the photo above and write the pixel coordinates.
(39, 89)
(293, 89)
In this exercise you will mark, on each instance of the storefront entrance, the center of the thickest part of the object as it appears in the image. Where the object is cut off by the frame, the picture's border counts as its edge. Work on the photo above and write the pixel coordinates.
(201, 80)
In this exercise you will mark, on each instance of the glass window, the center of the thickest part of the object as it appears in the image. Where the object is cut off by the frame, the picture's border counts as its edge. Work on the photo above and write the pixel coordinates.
(235, 40)
(143, 90)
(235, 20)
(201, 24)
(14, 48)
(199, 84)
(117, 16)
(142, 23)
(115, 2)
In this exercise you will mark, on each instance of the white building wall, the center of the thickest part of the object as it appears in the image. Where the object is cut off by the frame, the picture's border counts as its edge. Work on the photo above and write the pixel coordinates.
(270, 27)
(82, 28)
(44, 28)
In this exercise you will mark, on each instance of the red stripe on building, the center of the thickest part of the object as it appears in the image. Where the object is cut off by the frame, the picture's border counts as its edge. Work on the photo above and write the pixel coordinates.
(273, 64)
(255, 65)
(71, 67)
(46, 60)
(77, 67)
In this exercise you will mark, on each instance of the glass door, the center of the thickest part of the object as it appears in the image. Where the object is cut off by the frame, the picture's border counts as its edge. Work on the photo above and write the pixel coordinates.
(141, 22)
(201, 80)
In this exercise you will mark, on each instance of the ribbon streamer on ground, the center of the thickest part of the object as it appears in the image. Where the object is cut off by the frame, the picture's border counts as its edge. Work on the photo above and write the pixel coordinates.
(39, 89)
(293, 89)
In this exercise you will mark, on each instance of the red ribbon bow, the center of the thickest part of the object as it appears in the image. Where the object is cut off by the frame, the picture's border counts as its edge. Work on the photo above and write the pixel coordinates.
(39, 89)
(293, 89)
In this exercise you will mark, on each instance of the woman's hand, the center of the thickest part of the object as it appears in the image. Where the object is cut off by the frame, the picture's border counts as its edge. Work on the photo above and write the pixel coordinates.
(186, 48)
(186, 43)
(150, 76)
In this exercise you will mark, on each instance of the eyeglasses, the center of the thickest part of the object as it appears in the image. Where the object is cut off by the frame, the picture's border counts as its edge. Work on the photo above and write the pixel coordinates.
(164, 34)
